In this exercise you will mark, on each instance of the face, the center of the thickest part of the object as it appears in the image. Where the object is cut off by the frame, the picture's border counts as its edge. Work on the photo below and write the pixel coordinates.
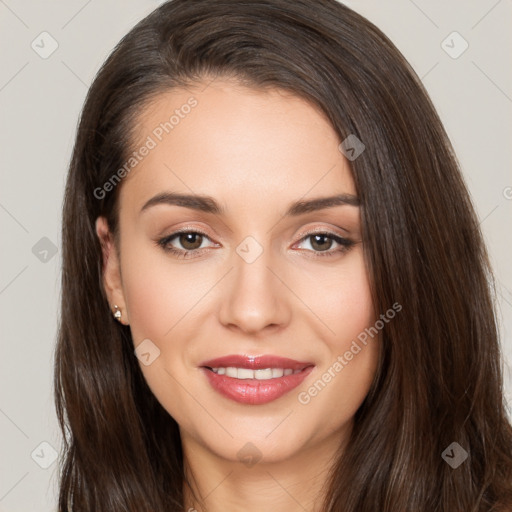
(254, 270)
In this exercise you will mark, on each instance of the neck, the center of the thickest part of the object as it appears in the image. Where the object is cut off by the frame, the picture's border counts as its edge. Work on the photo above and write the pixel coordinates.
(298, 483)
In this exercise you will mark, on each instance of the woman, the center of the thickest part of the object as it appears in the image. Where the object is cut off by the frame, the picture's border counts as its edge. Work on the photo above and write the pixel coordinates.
(275, 291)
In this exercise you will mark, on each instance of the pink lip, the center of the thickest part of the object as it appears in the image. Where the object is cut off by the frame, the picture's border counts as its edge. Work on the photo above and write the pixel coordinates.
(255, 362)
(254, 391)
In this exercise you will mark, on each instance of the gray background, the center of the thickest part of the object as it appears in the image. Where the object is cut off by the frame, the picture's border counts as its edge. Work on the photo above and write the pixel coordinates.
(40, 100)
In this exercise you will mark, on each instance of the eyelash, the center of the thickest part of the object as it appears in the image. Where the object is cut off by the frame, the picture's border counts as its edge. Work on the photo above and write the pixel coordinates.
(345, 244)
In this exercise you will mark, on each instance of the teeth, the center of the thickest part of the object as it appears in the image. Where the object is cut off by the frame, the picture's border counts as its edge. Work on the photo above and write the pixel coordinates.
(277, 372)
(232, 372)
(246, 373)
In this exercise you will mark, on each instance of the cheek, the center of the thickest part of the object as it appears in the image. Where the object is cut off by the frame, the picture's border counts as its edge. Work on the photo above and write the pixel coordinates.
(340, 299)
(159, 295)
(160, 300)
(150, 301)
(352, 317)
(344, 304)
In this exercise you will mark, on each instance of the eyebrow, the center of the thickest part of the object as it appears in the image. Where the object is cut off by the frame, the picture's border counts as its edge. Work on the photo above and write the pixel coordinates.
(208, 205)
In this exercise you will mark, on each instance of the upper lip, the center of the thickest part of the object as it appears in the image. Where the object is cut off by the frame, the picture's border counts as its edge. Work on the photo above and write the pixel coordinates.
(255, 362)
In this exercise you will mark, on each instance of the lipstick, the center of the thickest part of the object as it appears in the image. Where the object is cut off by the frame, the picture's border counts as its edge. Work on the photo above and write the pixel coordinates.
(255, 380)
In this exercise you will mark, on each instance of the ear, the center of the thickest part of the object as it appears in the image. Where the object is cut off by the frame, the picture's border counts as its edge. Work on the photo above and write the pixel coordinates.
(111, 275)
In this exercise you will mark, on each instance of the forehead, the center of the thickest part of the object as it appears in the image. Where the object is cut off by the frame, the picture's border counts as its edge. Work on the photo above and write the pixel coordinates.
(236, 144)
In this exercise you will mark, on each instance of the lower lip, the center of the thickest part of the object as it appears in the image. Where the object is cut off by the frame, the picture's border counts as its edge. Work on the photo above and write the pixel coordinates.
(253, 391)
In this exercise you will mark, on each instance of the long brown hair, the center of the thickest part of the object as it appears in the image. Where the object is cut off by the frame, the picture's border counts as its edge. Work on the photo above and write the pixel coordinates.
(439, 379)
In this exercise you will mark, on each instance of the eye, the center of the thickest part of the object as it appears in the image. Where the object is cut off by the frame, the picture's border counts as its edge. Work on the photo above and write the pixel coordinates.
(321, 243)
(190, 241)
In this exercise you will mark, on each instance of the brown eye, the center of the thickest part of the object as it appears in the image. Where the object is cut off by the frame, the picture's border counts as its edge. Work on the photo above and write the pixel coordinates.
(190, 241)
(321, 242)
(324, 244)
(184, 244)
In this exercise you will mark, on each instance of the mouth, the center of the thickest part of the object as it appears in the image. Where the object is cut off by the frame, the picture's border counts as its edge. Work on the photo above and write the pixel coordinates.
(255, 380)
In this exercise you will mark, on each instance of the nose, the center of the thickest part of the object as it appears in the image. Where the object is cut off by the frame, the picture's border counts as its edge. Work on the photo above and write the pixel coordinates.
(255, 296)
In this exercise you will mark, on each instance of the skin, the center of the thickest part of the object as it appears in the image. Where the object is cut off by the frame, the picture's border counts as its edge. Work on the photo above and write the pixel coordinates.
(255, 152)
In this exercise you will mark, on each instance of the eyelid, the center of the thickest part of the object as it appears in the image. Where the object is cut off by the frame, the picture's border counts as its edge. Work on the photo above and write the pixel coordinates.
(323, 230)
(187, 229)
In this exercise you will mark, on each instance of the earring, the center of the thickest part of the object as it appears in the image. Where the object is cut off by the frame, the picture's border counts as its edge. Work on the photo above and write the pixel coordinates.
(117, 313)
